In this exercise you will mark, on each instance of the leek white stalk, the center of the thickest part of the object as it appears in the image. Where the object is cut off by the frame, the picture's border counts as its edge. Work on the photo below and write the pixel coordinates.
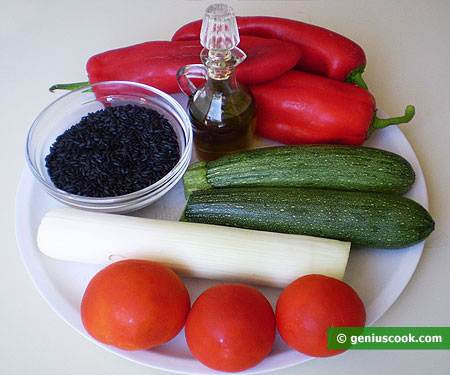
(190, 249)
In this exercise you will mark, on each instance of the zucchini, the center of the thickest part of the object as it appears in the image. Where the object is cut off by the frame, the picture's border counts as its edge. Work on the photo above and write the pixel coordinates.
(364, 218)
(336, 167)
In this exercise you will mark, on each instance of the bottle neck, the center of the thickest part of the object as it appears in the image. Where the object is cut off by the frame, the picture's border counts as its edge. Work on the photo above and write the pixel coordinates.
(223, 85)
(220, 64)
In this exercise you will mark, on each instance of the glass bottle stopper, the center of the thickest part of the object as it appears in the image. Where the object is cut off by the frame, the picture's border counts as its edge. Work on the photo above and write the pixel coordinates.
(219, 36)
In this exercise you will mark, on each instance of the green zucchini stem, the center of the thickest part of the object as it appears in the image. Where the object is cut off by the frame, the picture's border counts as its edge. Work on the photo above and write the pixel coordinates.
(68, 86)
(380, 123)
(183, 214)
(195, 178)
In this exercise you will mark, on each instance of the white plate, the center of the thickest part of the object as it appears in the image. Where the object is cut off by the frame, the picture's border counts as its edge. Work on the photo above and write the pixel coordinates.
(379, 276)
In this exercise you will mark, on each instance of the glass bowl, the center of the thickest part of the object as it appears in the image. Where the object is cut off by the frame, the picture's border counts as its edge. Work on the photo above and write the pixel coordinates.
(68, 110)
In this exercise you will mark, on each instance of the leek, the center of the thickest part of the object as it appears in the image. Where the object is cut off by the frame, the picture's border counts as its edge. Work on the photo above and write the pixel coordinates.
(190, 249)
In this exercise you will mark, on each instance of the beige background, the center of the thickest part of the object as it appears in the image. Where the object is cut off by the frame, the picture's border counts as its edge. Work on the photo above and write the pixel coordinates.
(44, 42)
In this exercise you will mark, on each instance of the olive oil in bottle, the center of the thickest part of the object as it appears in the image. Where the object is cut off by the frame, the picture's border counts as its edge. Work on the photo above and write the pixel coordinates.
(222, 111)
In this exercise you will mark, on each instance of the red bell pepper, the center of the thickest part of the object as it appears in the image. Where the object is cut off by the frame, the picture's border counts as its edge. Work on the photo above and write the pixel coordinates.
(301, 108)
(324, 52)
(156, 63)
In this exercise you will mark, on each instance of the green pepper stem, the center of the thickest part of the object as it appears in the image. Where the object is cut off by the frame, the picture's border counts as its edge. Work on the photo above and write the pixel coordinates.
(68, 86)
(380, 123)
(355, 76)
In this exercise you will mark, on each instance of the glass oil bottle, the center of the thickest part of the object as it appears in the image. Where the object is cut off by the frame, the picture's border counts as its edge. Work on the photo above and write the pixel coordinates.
(222, 111)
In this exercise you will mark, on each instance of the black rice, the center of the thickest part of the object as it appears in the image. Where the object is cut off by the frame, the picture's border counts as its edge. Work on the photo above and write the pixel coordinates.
(113, 151)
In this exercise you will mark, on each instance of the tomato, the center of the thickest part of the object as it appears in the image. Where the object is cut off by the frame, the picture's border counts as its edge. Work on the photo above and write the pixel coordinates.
(231, 327)
(135, 305)
(311, 304)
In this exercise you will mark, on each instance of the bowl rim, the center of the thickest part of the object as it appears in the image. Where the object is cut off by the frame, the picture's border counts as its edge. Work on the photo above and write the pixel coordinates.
(179, 114)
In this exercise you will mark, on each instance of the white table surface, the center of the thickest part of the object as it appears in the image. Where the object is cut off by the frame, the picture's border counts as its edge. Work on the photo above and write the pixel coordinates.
(43, 42)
